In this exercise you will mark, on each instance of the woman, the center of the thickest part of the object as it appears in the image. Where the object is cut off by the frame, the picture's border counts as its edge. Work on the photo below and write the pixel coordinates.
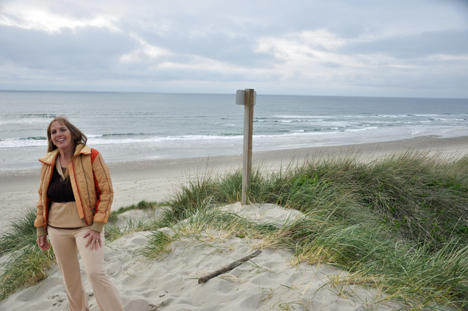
(75, 198)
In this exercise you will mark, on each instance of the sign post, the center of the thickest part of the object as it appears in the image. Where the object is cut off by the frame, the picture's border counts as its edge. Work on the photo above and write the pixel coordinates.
(247, 98)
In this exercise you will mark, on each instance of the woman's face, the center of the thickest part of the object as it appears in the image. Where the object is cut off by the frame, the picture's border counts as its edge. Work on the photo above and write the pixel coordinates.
(61, 136)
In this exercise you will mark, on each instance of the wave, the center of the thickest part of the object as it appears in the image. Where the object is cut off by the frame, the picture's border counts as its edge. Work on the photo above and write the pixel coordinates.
(33, 138)
(429, 114)
(364, 116)
(300, 117)
(40, 115)
(100, 140)
(22, 142)
(362, 129)
(93, 136)
(124, 134)
(156, 139)
(115, 135)
(22, 121)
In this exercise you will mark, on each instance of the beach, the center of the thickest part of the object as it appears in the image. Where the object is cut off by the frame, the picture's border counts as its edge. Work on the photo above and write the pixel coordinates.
(269, 282)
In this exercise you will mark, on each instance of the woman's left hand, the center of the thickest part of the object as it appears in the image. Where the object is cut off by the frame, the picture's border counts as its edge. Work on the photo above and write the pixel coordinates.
(94, 240)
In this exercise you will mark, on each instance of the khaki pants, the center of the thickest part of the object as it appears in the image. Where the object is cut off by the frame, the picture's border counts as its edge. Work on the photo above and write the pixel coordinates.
(67, 244)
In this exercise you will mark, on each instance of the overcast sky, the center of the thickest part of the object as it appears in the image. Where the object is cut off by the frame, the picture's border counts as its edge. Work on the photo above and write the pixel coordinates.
(312, 47)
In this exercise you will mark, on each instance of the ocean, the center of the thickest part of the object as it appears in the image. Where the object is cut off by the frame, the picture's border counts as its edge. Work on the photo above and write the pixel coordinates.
(137, 126)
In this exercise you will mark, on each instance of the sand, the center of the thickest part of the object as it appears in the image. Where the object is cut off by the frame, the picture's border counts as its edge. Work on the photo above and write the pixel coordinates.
(170, 283)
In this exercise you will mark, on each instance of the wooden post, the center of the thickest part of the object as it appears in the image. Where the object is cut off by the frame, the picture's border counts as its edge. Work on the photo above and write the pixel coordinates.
(248, 131)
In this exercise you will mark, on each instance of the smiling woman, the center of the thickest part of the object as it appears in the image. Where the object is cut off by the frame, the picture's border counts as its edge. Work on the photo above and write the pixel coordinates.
(75, 198)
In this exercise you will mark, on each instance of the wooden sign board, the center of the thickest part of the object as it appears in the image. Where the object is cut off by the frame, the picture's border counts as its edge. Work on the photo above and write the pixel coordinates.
(240, 97)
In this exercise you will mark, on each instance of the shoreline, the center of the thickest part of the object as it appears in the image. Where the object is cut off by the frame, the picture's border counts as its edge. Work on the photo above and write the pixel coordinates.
(432, 142)
(155, 180)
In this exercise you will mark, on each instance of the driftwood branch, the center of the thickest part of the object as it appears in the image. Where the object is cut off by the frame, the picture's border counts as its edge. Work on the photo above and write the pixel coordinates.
(229, 267)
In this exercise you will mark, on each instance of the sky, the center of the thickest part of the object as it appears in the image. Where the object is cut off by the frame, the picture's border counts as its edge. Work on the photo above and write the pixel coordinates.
(398, 48)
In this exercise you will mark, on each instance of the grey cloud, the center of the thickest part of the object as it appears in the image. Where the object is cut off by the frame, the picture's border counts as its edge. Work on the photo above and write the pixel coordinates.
(415, 46)
(66, 51)
(330, 64)
(217, 37)
(238, 51)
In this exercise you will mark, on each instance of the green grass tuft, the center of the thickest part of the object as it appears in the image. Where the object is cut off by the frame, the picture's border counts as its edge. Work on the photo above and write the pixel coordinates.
(21, 233)
(23, 262)
(158, 245)
(113, 215)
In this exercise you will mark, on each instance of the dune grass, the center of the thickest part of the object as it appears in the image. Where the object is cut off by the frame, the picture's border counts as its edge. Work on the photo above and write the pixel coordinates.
(23, 263)
(113, 215)
(399, 223)
(113, 230)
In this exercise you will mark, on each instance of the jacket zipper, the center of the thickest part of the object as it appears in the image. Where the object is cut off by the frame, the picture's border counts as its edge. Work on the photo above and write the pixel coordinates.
(77, 189)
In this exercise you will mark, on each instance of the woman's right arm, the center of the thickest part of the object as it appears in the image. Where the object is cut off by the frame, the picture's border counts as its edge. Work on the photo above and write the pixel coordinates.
(41, 232)
(39, 222)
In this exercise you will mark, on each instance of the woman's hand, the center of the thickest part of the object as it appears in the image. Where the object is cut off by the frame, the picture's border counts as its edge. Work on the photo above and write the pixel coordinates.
(43, 243)
(94, 240)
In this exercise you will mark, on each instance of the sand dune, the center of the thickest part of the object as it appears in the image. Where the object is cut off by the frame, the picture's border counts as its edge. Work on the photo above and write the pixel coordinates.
(267, 282)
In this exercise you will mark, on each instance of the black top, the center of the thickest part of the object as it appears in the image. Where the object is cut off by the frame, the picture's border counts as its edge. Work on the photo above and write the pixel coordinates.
(58, 190)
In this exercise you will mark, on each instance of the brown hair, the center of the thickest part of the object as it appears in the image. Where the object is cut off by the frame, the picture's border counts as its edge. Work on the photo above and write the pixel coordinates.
(77, 136)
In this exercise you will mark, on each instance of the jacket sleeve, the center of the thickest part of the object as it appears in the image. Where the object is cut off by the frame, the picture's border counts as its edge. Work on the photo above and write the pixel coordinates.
(39, 222)
(104, 192)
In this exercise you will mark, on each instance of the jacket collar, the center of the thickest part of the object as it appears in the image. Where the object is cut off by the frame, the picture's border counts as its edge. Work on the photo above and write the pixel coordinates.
(51, 157)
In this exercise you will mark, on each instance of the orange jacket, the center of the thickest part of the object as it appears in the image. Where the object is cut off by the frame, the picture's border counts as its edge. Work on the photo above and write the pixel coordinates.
(91, 184)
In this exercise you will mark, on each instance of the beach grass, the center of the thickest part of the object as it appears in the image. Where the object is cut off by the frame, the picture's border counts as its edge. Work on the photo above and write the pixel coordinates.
(113, 215)
(22, 262)
(398, 223)
(113, 230)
